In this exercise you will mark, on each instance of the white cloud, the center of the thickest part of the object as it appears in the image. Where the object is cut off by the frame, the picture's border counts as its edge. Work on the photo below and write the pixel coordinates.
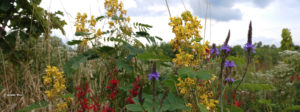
(267, 22)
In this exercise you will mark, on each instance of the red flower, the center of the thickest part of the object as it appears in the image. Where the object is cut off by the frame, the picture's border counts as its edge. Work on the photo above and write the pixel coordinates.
(116, 71)
(292, 79)
(134, 91)
(237, 104)
(113, 88)
(129, 100)
(298, 78)
(207, 50)
(83, 101)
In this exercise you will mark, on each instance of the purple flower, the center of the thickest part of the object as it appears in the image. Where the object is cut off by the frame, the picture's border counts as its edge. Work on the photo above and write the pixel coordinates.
(230, 80)
(154, 75)
(225, 48)
(249, 47)
(214, 50)
(229, 64)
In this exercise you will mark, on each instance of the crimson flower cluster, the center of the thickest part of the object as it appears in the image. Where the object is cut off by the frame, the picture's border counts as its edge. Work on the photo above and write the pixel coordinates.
(113, 88)
(83, 100)
(134, 91)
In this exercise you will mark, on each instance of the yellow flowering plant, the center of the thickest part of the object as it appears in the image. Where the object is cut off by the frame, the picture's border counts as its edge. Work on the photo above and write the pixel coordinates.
(117, 22)
(197, 93)
(55, 82)
(187, 40)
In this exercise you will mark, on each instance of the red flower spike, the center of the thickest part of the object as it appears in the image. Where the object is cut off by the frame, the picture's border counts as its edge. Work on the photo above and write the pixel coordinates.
(298, 78)
(237, 104)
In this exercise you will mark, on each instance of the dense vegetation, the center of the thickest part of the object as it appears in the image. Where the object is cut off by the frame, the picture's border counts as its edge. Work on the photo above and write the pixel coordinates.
(109, 69)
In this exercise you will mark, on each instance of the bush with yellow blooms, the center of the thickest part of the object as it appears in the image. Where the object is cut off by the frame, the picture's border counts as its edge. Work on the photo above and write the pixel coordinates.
(55, 82)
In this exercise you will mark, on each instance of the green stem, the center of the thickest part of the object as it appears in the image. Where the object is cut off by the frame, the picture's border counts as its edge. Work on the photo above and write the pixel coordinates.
(154, 93)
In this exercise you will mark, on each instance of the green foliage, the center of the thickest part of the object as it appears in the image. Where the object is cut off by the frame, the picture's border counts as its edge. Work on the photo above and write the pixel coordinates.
(256, 87)
(72, 65)
(28, 21)
(189, 72)
(287, 41)
(36, 105)
(153, 57)
(202, 107)
(82, 34)
(292, 108)
(141, 26)
(74, 42)
(171, 103)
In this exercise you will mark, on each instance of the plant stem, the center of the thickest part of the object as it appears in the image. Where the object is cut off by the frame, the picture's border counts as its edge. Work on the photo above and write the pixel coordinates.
(245, 71)
(154, 93)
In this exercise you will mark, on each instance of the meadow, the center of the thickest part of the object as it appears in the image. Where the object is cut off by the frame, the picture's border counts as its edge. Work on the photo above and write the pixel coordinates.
(109, 69)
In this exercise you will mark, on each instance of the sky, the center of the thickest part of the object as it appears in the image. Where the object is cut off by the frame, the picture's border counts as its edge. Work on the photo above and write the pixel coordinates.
(268, 17)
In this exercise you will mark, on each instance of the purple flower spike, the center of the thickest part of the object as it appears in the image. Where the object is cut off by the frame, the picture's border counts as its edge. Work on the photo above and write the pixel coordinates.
(225, 48)
(249, 47)
(230, 80)
(229, 64)
(214, 50)
(153, 75)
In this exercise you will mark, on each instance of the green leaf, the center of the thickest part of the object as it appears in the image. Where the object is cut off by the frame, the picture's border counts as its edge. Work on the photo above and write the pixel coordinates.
(82, 33)
(293, 108)
(34, 106)
(73, 42)
(236, 109)
(153, 57)
(189, 72)
(134, 107)
(117, 18)
(123, 64)
(5, 5)
(68, 95)
(72, 65)
(197, 40)
(203, 75)
(142, 34)
(100, 18)
(256, 87)
(202, 107)
(186, 72)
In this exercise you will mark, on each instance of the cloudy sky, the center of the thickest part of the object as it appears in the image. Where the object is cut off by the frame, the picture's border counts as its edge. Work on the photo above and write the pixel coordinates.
(268, 17)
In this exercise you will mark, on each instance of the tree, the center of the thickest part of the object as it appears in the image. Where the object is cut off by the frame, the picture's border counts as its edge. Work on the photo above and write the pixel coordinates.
(27, 21)
(286, 42)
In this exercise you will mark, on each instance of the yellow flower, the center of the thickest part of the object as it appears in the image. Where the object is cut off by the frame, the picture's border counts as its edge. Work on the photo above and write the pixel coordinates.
(111, 23)
(69, 99)
(128, 19)
(93, 21)
(47, 80)
(189, 105)
(84, 42)
(50, 93)
(99, 33)
(62, 106)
